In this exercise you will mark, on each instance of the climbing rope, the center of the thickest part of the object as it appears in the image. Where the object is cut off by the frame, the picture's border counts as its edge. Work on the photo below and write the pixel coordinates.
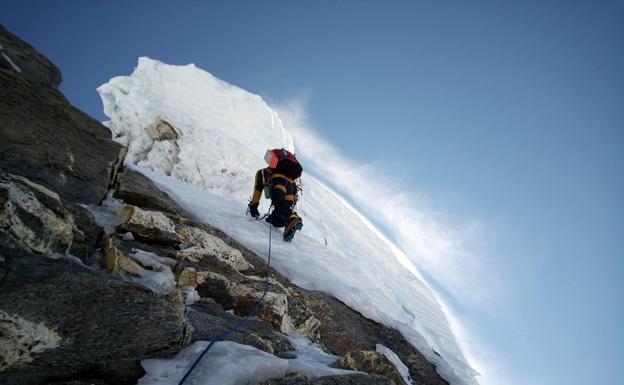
(241, 322)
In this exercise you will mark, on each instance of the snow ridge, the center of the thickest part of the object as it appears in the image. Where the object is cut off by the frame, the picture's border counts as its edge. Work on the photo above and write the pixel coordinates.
(222, 134)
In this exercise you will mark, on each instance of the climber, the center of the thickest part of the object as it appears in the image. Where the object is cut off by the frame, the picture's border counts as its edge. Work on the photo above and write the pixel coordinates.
(278, 181)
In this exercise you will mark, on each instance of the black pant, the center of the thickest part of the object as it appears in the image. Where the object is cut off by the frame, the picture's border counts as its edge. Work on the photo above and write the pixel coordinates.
(281, 209)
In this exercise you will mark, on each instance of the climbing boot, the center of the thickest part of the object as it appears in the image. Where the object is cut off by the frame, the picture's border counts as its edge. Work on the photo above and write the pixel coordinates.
(294, 223)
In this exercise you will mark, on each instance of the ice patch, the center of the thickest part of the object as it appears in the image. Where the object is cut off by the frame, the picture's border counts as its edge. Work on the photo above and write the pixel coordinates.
(8, 59)
(306, 350)
(396, 361)
(105, 214)
(229, 363)
(192, 296)
(155, 274)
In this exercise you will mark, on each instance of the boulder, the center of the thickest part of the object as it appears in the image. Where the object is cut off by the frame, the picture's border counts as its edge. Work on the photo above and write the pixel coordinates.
(136, 189)
(370, 362)
(197, 244)
(74, 322)
(54, 144)
(148, 225)
(209, 320)
(40, 220)
(162, 130)
(21, 58)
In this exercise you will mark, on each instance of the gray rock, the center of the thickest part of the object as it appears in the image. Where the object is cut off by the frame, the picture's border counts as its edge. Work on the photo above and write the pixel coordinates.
(209, 319)
(148, 226)
(331, 380)
(162, 130)
(105, 326)
(50, 142)
(341, 328)
(41, 221)
(370, 362)
(88, 235)
(136, 189)
(20, 57)
(85, 381)
(344, 329)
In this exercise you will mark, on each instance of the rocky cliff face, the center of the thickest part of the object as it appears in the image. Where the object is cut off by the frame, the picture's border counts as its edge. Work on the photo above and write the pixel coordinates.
(98, 267)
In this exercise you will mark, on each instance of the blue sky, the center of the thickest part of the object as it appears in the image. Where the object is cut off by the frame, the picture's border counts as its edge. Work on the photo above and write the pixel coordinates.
(503, 119)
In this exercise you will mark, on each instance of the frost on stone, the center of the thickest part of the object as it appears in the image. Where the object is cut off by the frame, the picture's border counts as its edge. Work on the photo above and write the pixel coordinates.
(230, 363)
(396, 361)
(21, 339)
(306, 350)
(144, 268)
(105, 214)
(8, 59)
(191, 296)
(153, 273)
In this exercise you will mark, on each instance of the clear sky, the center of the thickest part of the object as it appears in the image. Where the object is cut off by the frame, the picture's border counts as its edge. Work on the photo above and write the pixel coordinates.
(504, 120)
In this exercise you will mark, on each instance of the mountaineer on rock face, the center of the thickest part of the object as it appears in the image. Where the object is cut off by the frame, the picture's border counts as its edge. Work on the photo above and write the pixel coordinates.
(278, 181)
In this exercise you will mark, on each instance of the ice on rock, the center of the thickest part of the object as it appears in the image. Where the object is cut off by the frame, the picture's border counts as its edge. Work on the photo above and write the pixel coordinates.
(223, 133)
(155, 272)
(396, 361)
(228, 363)
(105, 214)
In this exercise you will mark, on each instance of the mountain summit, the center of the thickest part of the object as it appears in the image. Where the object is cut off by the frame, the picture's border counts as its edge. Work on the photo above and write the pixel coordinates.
(121, 258)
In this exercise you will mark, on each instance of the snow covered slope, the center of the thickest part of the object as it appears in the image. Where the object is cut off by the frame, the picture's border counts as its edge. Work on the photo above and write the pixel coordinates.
(222, 134)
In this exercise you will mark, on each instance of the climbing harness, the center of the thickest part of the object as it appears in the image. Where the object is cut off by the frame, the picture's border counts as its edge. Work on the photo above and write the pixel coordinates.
(240, 323)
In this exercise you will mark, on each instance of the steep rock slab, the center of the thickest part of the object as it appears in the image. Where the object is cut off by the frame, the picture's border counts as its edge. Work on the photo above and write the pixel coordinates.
(20, 57)
(103, 326)
(136, 189)
(343, 330)
(48, 141)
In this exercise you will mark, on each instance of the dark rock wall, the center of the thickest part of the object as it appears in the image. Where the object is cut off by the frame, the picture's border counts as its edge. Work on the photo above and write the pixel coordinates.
(104, 324)
(31, 65)
(47, 140)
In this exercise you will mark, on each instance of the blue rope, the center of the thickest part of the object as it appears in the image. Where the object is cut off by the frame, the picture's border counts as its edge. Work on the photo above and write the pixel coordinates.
(241, 322)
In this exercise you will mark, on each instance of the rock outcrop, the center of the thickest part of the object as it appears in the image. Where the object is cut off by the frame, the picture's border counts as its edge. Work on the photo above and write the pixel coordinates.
(39, 220)
(52, 143)
(370, 362)
(136, 189)
(20, 57)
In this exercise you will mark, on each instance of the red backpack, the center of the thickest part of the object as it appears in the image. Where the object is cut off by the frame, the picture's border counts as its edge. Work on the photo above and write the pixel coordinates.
(283, 162)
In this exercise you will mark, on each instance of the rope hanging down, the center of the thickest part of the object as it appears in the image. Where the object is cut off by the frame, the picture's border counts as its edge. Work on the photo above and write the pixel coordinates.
(241, 322)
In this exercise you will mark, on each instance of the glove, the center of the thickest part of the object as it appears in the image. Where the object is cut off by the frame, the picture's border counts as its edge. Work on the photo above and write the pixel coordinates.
(253, 210)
